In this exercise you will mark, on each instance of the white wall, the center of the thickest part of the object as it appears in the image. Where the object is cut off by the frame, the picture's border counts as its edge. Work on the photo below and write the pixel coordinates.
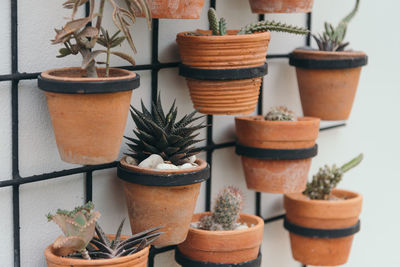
(372, 128)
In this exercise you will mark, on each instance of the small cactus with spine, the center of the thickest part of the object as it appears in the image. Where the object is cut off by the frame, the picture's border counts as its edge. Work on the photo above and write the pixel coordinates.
(227, 208)
(327, 179)
(280, 113)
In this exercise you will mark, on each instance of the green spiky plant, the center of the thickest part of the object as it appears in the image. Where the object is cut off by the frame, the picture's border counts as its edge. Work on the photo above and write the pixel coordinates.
(218, 26)
(327, 179)
(226, 212)
(79, 227)
(162, 134)
(280, 113)
(332, 39)
(80, 37)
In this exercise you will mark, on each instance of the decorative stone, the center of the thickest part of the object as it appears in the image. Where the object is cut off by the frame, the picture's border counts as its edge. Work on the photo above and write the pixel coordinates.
(241, 226)
(192, 159)
(151, 162)
(166, 166)
(131, 161)
(187, 166)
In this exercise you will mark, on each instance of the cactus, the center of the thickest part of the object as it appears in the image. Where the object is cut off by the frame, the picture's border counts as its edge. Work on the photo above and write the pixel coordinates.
(332, 38)
(218, 27)
(275, 26)
(226, 211)
(78, 227)
(280, 113)
(327, 179)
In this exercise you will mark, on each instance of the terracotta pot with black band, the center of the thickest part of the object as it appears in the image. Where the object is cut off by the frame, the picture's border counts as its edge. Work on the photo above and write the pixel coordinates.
(327, 81)
(88, 114)
(281, 6)
(175, 9)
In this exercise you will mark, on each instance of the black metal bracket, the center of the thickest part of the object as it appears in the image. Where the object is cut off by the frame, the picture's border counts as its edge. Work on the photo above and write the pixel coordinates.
(321, 233)
(187, 262)
(343, 63)
(276, 154)
(223, 74)
(163, 179)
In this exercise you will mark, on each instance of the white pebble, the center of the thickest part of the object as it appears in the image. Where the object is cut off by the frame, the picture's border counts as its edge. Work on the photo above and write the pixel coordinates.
(131, 160)
(242, 226)
(151, 162)
(166, 166)
(192, 159)
(186, 166)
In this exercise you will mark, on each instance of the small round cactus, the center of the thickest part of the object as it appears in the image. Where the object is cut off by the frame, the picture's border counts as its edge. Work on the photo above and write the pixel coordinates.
(280, 113)
(226, 211)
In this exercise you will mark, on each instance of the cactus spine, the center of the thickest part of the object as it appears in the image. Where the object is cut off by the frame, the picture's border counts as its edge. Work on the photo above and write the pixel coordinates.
(275, 26)
(218, 27)
(280, 114)
(328, 178)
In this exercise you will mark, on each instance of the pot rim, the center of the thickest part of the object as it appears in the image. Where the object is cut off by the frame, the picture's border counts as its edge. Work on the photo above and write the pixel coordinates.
(231, 36)
(51, 75)
(260, 224)
(304, 121)
(306, 52)
(96, 262)
(299, 197)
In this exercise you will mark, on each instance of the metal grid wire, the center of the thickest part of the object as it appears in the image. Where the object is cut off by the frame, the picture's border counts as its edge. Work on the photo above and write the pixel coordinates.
(15, 77)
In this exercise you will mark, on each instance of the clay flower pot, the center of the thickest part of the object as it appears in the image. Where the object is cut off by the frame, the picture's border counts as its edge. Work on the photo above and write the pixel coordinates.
(322, 231)
(162, 198)
(223, 73)
(237, 246)
(88, 114)
(175, 9)
(281, 6)
(327, 81)
(138, 259)
(276, 155)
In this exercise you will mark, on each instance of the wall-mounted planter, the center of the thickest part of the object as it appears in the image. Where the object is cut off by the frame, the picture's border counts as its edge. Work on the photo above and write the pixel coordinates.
(224, 247)
(276, 155)
(175, 9)
(322, 231)
(327, 81)
(88, 114)
(138, 259)
(281, 6)
(162, 197)
(223, 73)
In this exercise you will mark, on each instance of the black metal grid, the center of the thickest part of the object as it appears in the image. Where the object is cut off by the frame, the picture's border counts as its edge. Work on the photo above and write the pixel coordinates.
(155, 67)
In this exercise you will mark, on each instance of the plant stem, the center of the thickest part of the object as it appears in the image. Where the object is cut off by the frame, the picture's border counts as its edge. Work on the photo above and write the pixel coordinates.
(85, 254)
(108, 62)
(352, 163)
(91, 70)
(100, 18)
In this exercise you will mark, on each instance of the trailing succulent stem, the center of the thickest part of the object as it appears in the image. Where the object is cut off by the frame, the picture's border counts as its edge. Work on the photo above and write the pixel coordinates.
(275, 26)
(79, 37)
(160, 133)
(332, 38)
(327, 179)
(226, 211)
(280, 113)
(217, 27)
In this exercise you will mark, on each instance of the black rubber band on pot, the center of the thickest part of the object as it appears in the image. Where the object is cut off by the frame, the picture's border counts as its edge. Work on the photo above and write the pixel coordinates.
(150, 179)
(223, 74)
(345, 63)
(276, 154)
(187, 262)
(321, 233)
(99, 87)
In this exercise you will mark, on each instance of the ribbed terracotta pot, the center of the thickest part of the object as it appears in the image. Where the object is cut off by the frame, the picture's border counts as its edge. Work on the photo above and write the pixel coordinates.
(281, 6)
(231, 51)
(322, 214)
(224, 246)
(138, 259)
(270, 175)
(327, 81)
(175, 9)
(160, 203)
(88, 114)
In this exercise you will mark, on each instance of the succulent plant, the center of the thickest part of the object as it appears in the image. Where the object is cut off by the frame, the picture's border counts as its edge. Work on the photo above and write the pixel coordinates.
(227, 208)
(327, 179)
(79, 36)
(218, 27)
(332, 38)
(160, 133)
(101, 247)
(280, 113)
(78, 227)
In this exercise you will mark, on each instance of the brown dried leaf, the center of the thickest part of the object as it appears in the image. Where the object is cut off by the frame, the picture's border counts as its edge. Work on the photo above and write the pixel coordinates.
(70, 28)
(125, 56)
(89, 32)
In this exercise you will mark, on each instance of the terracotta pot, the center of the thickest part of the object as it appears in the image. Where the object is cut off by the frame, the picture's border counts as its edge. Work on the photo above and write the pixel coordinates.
(327, 90)
(138, 259)
(88, 114)
(162, 203)
(224, 246)
(322, 214)
(175, 9)
(281, 6)
(228, 52)
(275, 175)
